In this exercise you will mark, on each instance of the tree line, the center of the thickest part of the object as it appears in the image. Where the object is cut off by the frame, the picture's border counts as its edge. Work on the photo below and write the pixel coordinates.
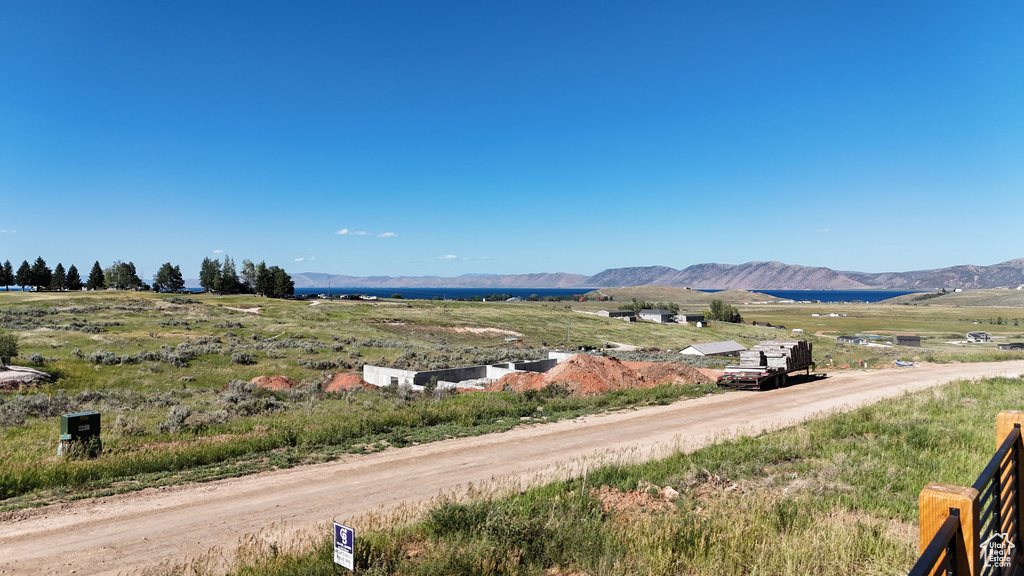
(259, 279)
(214, 276)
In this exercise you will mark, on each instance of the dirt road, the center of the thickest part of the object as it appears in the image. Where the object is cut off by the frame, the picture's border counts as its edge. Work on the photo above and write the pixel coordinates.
(132, 532)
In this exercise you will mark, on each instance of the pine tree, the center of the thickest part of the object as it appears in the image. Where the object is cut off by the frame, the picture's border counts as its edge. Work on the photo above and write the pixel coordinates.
(133, 282)
(282, 282)
(168, 278)
(7, 275)
(60, 279)
(228, 276)
(24, 276)
(96, 279)
(209, 275)
(74, 281)
(122, 276)
(177, 281)
(264, 280)
(248, 276)
(41, 274)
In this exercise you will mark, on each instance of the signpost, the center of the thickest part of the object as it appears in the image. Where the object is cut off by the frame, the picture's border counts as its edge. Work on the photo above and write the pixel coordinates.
(344, 546)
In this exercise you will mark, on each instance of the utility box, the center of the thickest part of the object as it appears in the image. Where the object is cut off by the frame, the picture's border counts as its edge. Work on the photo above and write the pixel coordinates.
(81, 427)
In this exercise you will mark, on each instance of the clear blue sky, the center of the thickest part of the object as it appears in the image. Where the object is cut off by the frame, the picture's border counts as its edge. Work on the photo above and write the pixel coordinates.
(446, 138)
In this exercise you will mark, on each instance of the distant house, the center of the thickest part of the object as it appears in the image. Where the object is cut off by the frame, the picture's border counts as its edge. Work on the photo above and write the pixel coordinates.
(906, 340)
(979, 337)
(627, 315)
(656, 315)
(690, 318)
(727, 348)
(852, 340)
(1012, 346)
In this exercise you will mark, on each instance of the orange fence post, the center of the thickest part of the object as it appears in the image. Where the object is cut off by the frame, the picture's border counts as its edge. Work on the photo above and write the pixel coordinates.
(934, 503)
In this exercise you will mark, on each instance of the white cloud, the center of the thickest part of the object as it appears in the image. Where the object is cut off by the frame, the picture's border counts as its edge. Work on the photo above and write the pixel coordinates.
(449, 257)
(218, 251)
(387, 235)
(299, 259)
(8, 231)
(311, 258)
(824, 230)
(345, 231)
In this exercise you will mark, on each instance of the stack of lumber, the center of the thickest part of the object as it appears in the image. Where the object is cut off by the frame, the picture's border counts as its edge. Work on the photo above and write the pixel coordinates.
(785, 354)
(752, 358)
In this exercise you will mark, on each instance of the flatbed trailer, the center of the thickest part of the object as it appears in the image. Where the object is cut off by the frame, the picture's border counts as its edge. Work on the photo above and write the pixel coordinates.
(760, 378)
(768, 365)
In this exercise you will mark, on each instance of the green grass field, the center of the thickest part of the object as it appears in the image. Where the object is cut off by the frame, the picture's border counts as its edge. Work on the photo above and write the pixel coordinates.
(166, 373)
(822, 498)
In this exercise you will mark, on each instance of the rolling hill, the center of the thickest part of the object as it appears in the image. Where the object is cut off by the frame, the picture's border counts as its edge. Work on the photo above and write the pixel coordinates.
(748, 276)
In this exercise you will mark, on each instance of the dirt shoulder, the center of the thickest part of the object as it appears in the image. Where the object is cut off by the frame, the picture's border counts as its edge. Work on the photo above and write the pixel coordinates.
(133, 532)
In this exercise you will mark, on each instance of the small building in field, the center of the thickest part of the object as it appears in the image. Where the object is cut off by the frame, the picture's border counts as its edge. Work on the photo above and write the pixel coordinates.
(627, 315)
(691, 319)
(726, 348)
(657, 315)
(906, 340)
(852, 340)
(979, 336)
(1012, 346)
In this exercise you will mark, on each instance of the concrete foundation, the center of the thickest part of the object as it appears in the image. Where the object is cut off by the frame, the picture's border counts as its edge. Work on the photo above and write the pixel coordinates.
(454, 377)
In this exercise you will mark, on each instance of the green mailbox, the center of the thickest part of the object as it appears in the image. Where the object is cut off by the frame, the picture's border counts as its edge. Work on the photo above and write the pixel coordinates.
(78, 427)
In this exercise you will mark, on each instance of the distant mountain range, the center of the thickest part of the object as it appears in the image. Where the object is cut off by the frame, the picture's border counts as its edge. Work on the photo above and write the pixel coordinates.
(749, 276)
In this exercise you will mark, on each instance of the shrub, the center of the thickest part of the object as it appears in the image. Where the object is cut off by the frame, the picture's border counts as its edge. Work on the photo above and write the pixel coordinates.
(247, 399)
(318, 364)
(11, 416)
(42, 405)
(228, 325)
(176, 418)
(8, 347)
(126, 426)
(203, 420)
(174, 322)
(37, 359)
(242, 358)
(181, 301)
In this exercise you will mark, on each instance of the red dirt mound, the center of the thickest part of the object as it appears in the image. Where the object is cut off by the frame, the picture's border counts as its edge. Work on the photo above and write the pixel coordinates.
(711, 373)
(340, 382)
(276, 382)
(586, 375)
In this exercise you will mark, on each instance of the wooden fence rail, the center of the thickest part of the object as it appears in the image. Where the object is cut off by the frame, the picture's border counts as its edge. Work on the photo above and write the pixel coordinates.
(976, 530)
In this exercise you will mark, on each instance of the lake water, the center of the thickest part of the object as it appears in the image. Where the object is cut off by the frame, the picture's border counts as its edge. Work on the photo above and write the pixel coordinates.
(837, 295)
(466, 293)
(444, 293)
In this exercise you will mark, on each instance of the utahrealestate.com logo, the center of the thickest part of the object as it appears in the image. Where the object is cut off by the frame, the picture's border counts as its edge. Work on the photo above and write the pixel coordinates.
(996, 551)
